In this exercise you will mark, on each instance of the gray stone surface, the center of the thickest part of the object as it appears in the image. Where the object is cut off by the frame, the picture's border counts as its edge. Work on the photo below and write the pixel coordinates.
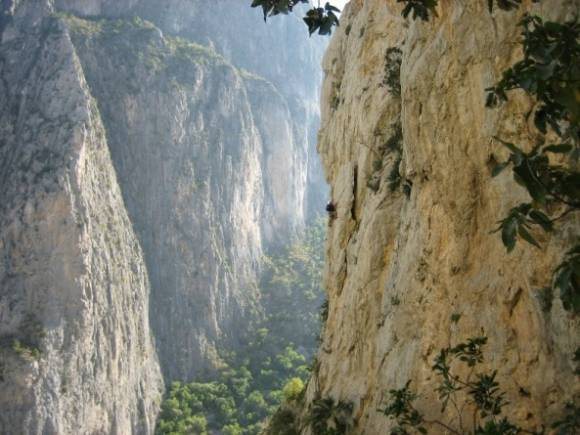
(74, 290)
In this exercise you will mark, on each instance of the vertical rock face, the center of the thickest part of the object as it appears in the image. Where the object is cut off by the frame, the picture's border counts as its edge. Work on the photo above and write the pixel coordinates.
(187, 154)
(143, 175)
(76, 351)
(215, 162)
(402, 261)
(279, 52)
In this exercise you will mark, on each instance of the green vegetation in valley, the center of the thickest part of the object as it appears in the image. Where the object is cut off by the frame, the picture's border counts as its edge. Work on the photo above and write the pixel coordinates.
(272, 364)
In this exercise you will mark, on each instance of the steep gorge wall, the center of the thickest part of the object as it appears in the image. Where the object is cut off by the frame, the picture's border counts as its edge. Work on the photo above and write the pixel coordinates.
(398, 267)
(188, 156)
(277, 51)
(74, 291)
(229, 155)
(143, 176)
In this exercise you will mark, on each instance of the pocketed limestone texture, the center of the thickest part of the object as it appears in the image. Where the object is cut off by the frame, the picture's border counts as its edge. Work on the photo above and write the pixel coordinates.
(411, 245)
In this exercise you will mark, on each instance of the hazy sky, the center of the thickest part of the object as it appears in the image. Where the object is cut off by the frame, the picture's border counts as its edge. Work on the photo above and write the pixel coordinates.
(338, 3)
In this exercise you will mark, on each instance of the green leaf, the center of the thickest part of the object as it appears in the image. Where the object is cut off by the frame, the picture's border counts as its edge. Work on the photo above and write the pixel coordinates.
(491, 99)
(524, 234)
(514, 149)
(508, 234)
(541, 219)
(563, 278)
(329, 7)
(558, 149)
(498, 169)
(527, 177)
(569, 99)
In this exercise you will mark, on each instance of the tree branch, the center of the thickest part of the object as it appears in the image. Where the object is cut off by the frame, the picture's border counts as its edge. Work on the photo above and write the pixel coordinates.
(449, 428)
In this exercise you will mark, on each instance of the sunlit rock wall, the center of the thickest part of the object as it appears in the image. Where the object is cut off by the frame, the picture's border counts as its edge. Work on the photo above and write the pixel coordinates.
(399, 267)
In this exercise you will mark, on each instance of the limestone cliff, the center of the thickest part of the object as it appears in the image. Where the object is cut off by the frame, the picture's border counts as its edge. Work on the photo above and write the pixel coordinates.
(180, 114)
(76, 351)
(143, 175)
(402, 260)
(229, 155)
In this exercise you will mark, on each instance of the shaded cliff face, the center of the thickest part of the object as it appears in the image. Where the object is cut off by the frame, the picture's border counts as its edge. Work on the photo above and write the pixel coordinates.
(76, 353)
(143, 176)
(189, 159)
(399, 267)
(228, 158)
(280, 52)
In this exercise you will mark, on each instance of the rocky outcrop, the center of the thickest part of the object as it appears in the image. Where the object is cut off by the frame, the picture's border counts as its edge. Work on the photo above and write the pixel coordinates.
(143, 175)
(401, 261)
(76, 351)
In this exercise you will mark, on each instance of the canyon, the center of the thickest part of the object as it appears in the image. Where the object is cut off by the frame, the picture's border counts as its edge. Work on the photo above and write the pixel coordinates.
(152, 152)
(150, 157)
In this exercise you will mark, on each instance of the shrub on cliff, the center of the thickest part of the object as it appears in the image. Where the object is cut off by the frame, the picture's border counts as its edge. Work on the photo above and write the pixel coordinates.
(476, 399)
(293, 390)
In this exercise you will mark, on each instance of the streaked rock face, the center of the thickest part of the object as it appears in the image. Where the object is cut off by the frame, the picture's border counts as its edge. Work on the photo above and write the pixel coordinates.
(188, 157)
(399, 267)
(143, 175)
(73, 283)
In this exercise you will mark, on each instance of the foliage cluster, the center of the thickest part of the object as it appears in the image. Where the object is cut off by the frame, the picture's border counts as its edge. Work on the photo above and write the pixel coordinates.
(321, 19)
(329, 417)
(291, 288)
(419, 8)
(293, 390)
(26, 342)
(324, 416)
(391, 80)
(476, 395)
(392, 77)
(272, 363)
(549, 73)
(284, 422)
(394, 178)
